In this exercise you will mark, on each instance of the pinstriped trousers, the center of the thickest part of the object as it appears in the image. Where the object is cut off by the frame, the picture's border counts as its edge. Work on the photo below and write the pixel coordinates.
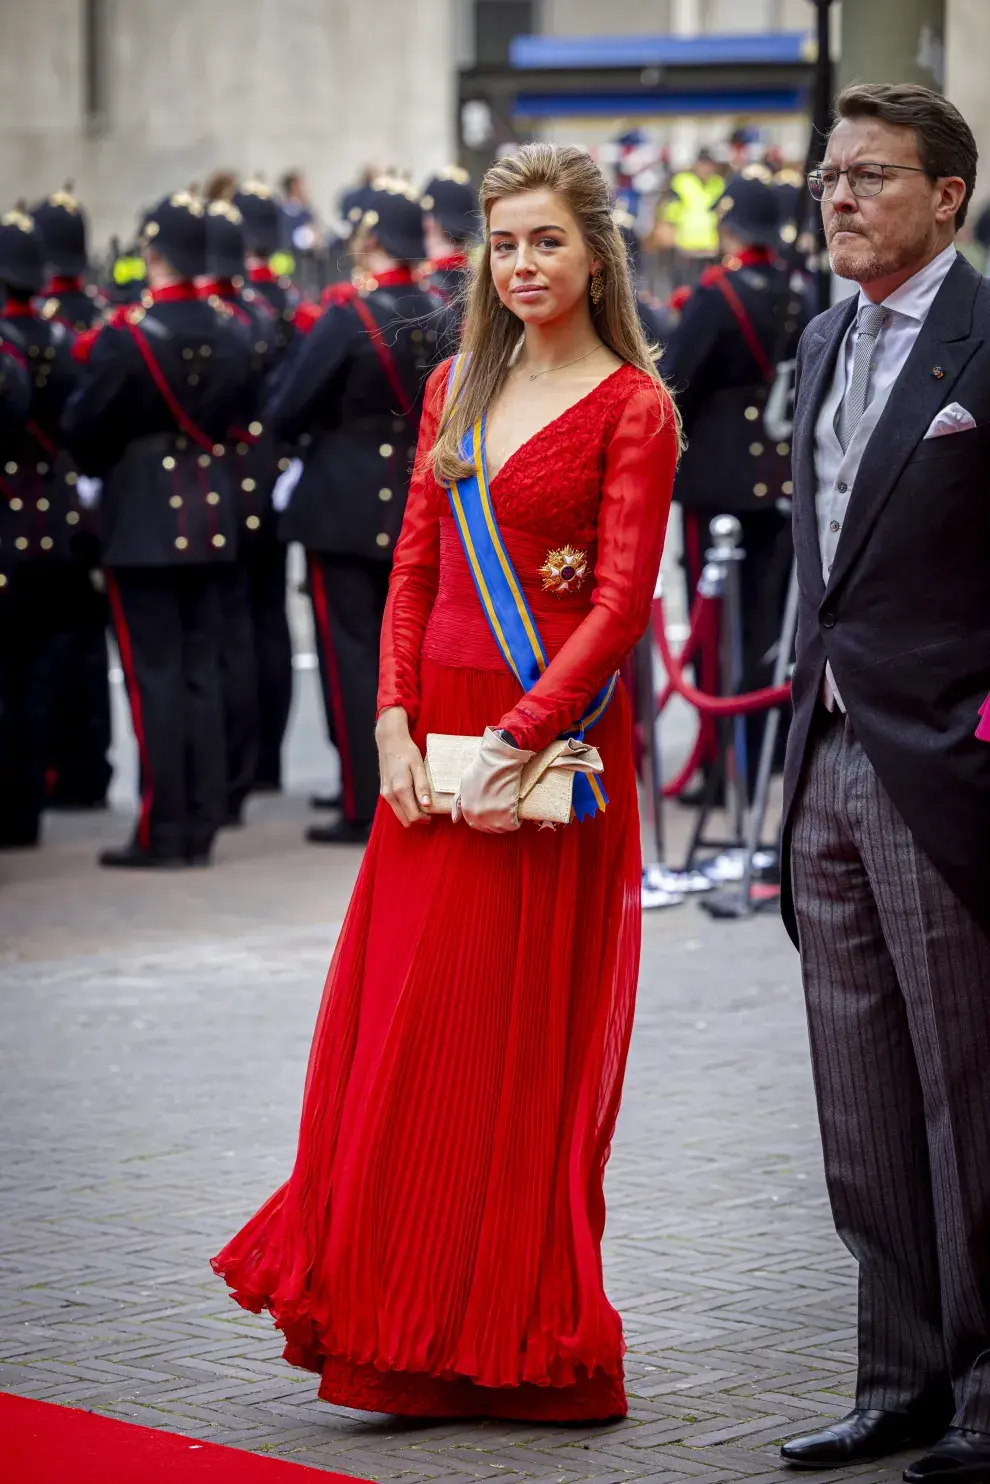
(897, 981)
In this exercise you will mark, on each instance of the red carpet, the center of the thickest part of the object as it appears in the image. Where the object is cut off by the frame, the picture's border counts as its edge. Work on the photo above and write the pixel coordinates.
(42, 1444)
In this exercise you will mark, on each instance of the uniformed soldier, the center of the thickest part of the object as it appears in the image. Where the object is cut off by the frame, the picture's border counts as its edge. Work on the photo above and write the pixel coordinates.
(80, 770)
(15, 400)
(164, 384)
(39, 518)
(258, 646)
(260, 215)
(452, 224)
(654, 318)
(62, 224)
(737, 333)
(350, 397)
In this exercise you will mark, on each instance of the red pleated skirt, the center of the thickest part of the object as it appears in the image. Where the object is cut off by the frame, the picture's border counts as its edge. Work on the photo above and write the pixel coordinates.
(437, 1249)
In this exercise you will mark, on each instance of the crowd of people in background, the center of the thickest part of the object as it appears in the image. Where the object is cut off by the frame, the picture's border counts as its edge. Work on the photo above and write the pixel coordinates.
(243, 375)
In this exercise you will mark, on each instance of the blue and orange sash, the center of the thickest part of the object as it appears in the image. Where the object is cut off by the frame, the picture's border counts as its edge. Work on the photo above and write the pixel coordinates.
(504, 602)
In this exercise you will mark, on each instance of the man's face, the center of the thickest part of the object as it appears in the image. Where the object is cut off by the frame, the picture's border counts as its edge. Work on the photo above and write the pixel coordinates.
(873, 237)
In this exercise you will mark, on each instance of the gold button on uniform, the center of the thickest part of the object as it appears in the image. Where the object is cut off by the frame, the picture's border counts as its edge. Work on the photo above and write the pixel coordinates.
(283, 464)
(42, 504)
(3, 580)
(176, 502)
(219, 540)
(72, 477)
(168, 462)
(10, 468)
(752, 413)
(73, 517)
(218, 450)
(759, 490)
(247, 485)
(756, 449)
(254, 429)
(242, 448)
(21, 543)
(203, 461)
(213, 498)
(181, 542)
(385, 495)
(17, 503)
(47, 543)
(252, 522)
(42, 468)
(783, 449)
(381, 539)
(787, 488)
(386, 450)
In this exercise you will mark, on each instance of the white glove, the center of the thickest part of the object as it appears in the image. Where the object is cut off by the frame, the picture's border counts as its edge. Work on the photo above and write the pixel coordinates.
(88, 491)
(488, 798)
(285, 484)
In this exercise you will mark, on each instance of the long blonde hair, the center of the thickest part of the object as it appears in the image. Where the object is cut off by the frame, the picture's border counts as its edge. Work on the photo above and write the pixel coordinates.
(491, 332)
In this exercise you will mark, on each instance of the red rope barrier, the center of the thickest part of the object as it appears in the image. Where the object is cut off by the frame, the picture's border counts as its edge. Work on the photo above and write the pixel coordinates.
(708, 705)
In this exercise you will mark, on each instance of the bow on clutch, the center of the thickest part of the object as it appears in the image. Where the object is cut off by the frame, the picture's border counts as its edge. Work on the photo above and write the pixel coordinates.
(495, 786)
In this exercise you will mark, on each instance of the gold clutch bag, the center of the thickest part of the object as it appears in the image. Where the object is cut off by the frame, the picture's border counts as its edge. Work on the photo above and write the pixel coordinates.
(547, 779)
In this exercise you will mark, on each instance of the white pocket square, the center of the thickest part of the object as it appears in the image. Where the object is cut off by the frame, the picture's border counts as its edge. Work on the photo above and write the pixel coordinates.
(951, 419)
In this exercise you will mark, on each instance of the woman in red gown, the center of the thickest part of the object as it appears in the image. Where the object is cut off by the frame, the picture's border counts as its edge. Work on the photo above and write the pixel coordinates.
(437, 1248)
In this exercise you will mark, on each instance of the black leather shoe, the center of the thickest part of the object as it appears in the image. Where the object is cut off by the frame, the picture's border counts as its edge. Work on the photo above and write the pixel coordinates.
(960, 1454)
(858, 1438)
(325, 801)
(341, 832)
(132, 857)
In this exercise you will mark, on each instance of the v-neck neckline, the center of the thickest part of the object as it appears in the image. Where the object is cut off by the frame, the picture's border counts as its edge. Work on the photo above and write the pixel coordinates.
(546, 426)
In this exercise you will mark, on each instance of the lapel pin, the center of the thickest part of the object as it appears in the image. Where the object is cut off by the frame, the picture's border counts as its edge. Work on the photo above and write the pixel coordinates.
(937, 372)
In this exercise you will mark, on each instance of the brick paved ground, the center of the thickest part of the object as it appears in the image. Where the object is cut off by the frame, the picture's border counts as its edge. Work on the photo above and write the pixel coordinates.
(155, 1035)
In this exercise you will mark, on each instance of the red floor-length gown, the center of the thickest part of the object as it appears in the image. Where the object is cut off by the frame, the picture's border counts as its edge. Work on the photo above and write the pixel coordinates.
(437, 1249)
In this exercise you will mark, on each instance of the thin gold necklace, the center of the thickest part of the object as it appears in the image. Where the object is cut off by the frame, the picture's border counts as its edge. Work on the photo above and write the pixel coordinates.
(535, 375)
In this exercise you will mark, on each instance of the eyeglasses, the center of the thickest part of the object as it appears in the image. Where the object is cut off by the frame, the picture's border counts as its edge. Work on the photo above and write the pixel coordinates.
(864, 180)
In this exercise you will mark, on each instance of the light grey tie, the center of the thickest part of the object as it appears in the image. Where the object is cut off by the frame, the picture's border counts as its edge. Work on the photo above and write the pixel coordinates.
(871, 320)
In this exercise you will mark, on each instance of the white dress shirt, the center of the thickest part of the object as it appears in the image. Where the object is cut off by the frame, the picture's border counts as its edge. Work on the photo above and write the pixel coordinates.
(836, 469)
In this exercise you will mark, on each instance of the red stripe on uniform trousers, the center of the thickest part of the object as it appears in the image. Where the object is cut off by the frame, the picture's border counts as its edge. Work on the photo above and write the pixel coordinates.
(318, 592)
(137, 716)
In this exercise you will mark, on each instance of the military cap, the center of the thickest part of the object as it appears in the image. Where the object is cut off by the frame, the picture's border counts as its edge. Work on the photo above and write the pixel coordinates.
(62, 224)
(452, 201)
(749, 206)
(395, 217)
(260, 214)
(225, 240)
(176, 228)
(22, 260)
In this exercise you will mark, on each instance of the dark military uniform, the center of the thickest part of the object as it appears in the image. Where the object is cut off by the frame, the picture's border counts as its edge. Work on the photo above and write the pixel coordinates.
(39, 521)
(257, 649)
(260, 215)
(350, 397)
(164, 386)
(266, 294)
(79, 767)
(742, 321)
(451, 206)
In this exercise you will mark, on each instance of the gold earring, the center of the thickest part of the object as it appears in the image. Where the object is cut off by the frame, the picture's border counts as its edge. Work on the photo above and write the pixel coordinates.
(597, 287)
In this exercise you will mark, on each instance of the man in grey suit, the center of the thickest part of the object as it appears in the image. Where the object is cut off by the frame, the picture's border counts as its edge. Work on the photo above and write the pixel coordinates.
(887, 791)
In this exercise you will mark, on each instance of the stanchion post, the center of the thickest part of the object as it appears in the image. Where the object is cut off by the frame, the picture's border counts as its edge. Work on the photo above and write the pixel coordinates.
(727, 534)
(758, 813)
(652, 780)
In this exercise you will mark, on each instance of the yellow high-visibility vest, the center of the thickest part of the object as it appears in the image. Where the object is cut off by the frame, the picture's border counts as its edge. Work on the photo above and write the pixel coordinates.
(692, 212)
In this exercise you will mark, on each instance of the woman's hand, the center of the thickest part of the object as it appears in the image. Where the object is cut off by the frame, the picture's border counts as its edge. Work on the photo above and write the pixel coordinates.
(401, 768)
(488, 798)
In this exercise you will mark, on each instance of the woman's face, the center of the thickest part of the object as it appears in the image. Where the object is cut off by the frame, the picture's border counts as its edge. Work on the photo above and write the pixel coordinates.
(541, 265)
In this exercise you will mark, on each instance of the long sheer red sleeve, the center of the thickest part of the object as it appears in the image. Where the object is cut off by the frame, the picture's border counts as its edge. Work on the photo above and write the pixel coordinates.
(640, 459)
(416, 568)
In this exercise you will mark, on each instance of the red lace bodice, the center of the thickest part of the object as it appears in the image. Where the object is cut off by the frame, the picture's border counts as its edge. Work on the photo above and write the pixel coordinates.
(598, 478)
